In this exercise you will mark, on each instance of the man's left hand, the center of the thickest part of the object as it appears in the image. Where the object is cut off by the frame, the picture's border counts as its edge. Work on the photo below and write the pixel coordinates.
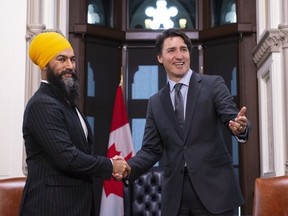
(239, 124)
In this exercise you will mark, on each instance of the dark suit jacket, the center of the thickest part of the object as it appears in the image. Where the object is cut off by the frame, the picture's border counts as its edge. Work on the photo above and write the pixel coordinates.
(60, 164)
(209, 108)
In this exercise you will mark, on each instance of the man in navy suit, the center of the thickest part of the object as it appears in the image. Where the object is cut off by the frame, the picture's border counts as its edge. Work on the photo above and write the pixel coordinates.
(198, 172)
(58, 139)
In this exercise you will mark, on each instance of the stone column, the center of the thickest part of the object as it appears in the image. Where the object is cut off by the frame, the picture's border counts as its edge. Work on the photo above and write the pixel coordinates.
(34, 26)
(283, 27)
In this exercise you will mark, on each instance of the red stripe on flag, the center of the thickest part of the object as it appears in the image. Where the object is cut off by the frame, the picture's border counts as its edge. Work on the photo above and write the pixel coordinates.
(119, 117)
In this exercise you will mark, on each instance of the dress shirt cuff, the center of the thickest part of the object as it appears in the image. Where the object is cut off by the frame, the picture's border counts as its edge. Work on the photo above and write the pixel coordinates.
(112, 165)
(242, 138)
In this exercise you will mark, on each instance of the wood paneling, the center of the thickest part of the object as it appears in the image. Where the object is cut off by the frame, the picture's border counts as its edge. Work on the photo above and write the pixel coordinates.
(244, 30)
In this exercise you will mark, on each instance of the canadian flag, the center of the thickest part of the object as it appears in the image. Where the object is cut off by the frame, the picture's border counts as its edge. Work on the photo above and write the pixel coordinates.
(120, 143)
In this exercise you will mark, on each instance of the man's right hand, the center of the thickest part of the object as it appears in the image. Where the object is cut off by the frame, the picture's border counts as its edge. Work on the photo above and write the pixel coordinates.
(120, 168)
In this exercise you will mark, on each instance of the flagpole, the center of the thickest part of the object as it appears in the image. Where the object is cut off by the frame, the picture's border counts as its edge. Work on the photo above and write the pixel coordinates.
(121, 77)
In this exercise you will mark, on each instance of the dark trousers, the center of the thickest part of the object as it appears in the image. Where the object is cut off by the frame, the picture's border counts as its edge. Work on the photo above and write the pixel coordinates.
(191, 205)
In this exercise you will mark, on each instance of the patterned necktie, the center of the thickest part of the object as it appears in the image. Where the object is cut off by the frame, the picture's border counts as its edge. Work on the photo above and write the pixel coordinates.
(179, 105)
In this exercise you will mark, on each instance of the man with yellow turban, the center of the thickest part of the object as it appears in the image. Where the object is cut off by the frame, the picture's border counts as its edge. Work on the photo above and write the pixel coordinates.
(58, 138)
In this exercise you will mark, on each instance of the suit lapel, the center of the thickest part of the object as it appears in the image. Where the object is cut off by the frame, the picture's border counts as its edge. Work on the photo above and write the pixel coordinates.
(195, 85)
(168, 107)
(52, 91)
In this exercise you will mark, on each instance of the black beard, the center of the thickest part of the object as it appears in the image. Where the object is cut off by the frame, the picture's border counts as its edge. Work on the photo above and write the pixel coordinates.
(69, 87)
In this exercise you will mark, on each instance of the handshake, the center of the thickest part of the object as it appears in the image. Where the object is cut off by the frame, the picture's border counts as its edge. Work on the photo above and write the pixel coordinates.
(121, 169)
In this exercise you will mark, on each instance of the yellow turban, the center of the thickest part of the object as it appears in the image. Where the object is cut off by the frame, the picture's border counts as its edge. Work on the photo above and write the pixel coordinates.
(46, 46)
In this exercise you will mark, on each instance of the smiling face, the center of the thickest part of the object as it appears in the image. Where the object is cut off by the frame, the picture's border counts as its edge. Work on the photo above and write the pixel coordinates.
(64, 61)
(175, 57)
(60, 72)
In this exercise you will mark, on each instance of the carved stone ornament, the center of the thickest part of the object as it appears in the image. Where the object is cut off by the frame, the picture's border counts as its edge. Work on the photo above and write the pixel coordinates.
(271, 41)
(33, 30)
(284, 35)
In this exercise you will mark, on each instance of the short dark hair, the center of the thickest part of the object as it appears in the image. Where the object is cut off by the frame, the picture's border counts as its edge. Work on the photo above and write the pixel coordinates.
(171, 33)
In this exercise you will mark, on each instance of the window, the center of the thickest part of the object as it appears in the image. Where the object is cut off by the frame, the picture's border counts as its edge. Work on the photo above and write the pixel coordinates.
(99, 12)
(162, 14)
(145, 78)
(223, 12)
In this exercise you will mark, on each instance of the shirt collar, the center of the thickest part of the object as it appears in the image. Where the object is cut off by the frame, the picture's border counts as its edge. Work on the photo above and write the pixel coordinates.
(45, 81)
(185, 80)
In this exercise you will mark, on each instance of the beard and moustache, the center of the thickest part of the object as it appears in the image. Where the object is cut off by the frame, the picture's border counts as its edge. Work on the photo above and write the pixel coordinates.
(69, 87)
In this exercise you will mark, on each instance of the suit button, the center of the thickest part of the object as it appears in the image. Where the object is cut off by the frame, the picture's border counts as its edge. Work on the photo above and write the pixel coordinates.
(184, 147)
